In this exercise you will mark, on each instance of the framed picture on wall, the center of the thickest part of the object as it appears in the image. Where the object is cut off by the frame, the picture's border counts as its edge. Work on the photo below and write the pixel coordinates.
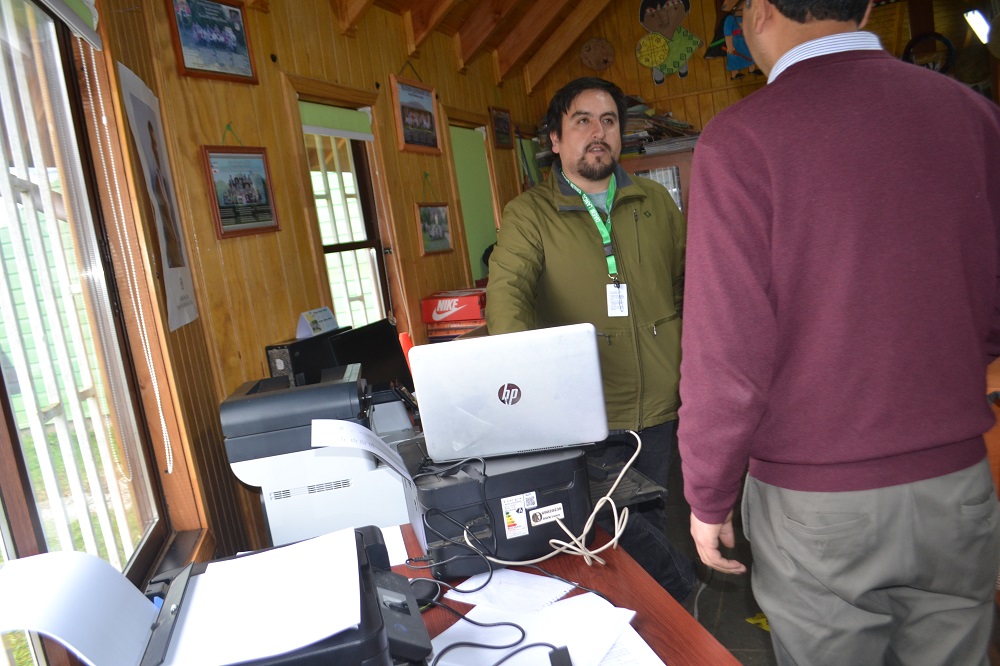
(434, 228)
(503, 132)
(416, 116)
(240, 185)
(210, 39)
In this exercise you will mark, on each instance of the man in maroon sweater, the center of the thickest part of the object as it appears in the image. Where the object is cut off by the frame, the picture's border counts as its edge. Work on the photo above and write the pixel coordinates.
(841, 306)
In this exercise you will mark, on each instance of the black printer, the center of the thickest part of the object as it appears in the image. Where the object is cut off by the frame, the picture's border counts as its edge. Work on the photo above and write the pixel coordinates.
(391, 631)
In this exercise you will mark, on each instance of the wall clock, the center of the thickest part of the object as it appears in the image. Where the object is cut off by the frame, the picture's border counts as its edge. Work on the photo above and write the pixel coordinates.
(597, 53)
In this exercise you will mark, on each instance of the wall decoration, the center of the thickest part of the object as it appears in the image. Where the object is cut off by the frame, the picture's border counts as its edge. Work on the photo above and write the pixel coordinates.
(668, 46)
(738, 55)
(210, 39)
(434, 228)
(500, 125)
(240, 184)
(597, 53)
(173, 270)
(416, 116)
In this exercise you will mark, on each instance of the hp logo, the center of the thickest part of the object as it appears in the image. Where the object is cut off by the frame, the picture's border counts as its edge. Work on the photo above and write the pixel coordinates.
(509, 394)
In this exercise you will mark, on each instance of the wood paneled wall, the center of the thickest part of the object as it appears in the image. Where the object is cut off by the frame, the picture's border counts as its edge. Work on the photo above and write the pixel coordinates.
(250, 289)
(706, 89)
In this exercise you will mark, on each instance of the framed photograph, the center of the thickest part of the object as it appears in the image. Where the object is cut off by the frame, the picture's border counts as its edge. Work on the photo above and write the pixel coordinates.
(503, 133)
(210, 39)
(240, 183)
(416, 116)
(435, 229)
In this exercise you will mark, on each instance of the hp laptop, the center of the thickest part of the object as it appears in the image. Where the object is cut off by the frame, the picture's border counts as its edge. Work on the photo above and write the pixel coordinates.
(513, 393)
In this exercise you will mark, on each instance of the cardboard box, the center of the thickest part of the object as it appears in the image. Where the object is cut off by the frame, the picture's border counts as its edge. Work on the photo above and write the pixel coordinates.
(457, 305)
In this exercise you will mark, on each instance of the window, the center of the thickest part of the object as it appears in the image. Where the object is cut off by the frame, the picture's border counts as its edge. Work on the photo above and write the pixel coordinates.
(335, 141)
(78, 476)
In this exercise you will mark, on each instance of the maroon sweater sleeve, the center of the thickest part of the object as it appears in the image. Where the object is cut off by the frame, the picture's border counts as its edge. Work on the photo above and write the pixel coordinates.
(726, 374)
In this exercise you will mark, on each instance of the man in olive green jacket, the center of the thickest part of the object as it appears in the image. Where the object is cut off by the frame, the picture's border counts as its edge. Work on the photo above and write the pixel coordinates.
(560, 259)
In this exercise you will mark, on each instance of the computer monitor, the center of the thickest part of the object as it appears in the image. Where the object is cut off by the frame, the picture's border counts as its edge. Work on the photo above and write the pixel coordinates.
(376, 347)
(303, 360)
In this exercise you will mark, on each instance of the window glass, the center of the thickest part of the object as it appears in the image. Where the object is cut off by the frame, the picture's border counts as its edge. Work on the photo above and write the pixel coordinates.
(62, 362)
(348, 244)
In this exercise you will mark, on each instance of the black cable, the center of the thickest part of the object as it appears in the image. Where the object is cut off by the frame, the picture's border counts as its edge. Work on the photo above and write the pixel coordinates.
(475, 553)
(471, 644)
(447, 471)
(567, 581)
(523, 648)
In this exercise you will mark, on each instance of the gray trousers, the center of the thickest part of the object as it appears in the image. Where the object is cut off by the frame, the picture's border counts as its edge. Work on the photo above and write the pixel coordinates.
(897, 575)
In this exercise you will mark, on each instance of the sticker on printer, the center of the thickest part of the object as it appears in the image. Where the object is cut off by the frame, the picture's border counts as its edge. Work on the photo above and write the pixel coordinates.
(546, 514)
(515, 516)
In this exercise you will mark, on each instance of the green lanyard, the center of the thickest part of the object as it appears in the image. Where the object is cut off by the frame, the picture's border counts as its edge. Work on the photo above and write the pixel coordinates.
(603, 227)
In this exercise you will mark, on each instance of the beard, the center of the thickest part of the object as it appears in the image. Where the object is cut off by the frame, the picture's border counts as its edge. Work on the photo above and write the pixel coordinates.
(595, 171)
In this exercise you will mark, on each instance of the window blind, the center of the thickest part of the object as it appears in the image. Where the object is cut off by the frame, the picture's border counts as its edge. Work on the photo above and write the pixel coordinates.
(336, 121)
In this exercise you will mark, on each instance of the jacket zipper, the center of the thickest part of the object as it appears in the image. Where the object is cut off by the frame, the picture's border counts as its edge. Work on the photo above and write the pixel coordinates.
(670, 318)
(635, 330)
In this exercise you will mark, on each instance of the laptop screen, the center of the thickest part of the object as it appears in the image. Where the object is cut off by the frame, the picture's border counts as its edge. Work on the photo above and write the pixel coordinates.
(512, 393)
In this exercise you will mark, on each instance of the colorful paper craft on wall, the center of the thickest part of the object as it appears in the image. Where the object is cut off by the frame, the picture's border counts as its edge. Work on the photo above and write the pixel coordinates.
(668, 46)
(738, 55)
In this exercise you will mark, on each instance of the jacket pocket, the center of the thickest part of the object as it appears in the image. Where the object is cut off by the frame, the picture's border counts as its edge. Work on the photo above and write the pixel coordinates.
(660, 351)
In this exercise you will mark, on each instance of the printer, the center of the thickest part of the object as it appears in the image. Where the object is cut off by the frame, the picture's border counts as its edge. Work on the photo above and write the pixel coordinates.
(391, 630)
(307, 491)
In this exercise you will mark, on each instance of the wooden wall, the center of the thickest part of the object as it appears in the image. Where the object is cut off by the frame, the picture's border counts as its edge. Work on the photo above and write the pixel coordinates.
(250, 289)
(706, 89)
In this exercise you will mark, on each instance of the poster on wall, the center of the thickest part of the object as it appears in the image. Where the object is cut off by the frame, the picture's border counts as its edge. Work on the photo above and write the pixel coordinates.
(210, 40)
(143, 111)
(240, 181)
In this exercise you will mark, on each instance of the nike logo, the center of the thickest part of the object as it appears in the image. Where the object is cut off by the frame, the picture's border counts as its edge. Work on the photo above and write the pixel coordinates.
(445, 309)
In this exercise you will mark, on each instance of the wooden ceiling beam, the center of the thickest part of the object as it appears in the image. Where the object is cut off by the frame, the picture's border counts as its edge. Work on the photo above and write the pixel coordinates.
(484, 20)
(519, 41)
(349, 12)
(420, 20)
(559, 41)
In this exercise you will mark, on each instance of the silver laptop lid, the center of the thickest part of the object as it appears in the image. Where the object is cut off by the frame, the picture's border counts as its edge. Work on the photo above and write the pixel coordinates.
(513, 393)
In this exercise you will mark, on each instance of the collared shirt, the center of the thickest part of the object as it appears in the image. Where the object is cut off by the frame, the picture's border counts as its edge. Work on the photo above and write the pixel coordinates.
(858, 40)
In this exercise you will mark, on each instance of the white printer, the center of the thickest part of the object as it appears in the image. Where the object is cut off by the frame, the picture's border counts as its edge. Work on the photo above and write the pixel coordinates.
(307, 491)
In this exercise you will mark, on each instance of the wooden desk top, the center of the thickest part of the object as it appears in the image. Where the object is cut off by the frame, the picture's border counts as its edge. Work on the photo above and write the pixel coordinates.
(676, 637)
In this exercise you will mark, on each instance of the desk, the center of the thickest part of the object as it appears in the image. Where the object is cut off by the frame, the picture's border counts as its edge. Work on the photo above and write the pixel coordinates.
(676, 637)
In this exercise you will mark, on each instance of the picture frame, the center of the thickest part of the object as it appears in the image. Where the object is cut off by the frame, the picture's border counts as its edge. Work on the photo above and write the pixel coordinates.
(502, 128)
(415, 108)
(434, 228)
(239, 182)
(211, 40)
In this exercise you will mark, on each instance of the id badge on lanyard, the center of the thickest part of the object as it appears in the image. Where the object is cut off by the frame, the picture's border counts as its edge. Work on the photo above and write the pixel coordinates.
(617, 293)
(617, 299)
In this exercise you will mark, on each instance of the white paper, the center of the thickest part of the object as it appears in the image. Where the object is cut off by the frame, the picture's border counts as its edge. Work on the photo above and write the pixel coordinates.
(269, 603)
(79, 600)
(514, 590)
(586, 624)
(394, 545)
(314, 322)
(631, 650)
(336, 433)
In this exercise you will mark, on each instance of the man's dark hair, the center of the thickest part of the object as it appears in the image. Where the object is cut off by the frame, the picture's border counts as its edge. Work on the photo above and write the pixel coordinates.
(564, 97)
(802, 11)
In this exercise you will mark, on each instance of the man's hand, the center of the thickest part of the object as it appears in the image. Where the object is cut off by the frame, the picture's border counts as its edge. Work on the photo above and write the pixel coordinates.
(708, 537)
